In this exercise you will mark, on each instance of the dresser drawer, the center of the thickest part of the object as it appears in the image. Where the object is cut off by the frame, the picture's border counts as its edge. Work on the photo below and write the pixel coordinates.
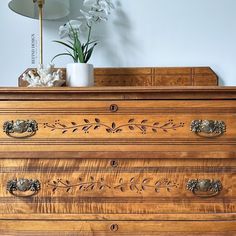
(122, 188)
(92, 126)
(94, 228)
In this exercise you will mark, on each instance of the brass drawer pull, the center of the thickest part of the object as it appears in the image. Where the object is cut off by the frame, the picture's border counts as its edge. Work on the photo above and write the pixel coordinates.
(23, 187)
(20, 128)
(204, 188)
(208, 127)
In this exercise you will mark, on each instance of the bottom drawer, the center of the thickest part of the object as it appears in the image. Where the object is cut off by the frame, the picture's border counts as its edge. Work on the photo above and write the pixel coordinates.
(144, 228)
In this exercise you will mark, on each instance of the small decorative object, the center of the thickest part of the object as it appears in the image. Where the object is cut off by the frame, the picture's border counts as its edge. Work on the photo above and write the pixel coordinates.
(80, 73)
(44, 77)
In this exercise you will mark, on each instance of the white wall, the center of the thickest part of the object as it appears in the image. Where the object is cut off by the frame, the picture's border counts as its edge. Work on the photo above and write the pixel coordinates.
(139, 33)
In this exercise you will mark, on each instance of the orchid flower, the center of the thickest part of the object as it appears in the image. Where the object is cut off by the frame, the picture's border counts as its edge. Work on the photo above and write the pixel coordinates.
(94, 11)
(65, 30)
(107, 5)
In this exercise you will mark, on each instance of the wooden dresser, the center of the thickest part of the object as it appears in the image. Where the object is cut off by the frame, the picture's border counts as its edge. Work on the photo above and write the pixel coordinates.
(118, 161)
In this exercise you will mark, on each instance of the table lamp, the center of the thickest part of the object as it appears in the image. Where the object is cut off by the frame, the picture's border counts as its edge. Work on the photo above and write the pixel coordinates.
(48, 10)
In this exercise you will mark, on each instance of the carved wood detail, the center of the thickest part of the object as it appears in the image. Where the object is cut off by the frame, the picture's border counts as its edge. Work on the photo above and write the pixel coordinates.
(142, 126)
(101, 184)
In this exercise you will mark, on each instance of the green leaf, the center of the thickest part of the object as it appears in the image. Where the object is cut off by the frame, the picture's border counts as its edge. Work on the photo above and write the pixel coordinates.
(79, 51)
(89, 54)
(62, 54)
(77, 47)
(88, 43)
(70, 42)
(74, 58)
(83, 47)
(63, 43)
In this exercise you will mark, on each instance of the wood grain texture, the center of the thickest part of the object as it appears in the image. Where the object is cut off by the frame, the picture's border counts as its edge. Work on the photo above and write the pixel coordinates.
(86, 228)
(150, 76)
(119, 161)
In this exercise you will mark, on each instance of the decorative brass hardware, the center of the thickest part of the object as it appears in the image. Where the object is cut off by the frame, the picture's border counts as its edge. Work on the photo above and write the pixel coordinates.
(23, 187)
(204, 188)
(15, 129)
(213, 127)
(114, 108)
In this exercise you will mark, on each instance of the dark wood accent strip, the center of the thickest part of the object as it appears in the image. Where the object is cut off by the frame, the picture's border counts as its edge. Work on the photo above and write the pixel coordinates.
(149, 200)
(123, 110)
(128, 217)
(123, 155)
(113, 142)
(162, 169)
(118, 93)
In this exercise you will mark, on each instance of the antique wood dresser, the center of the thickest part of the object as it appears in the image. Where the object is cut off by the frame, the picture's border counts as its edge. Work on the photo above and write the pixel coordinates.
(118, 161)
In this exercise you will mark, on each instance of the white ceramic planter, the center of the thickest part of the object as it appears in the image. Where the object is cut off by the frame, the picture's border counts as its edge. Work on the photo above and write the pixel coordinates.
(79, 75)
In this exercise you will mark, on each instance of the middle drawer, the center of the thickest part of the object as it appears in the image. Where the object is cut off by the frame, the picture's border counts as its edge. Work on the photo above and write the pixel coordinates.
(120, 186)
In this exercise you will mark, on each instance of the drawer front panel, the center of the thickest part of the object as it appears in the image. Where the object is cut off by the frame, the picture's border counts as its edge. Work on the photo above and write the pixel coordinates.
(117, 125)
(158, 228)
(119, 186)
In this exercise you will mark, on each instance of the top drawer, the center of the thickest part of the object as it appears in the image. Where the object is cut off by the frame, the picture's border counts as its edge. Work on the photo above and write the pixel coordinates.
(166, 127)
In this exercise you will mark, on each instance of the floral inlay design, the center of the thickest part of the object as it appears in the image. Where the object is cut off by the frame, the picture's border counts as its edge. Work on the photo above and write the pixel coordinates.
(114, 128)
(134, 185)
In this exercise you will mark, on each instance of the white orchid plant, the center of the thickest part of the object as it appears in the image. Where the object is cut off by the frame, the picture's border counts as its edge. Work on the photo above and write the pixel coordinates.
(95, 11)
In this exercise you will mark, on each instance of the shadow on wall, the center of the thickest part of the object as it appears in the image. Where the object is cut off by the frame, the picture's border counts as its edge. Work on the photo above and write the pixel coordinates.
(116, 41)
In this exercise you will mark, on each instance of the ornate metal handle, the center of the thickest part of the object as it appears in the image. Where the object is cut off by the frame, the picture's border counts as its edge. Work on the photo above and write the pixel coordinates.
(20, 128)
(208, 127)
(23, 187)
(204, 188)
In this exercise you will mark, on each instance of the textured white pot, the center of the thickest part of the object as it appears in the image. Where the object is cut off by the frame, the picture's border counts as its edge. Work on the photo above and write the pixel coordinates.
(79, 75)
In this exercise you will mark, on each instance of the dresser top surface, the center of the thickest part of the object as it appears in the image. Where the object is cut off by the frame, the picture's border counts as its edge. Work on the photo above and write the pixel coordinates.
(119, 93)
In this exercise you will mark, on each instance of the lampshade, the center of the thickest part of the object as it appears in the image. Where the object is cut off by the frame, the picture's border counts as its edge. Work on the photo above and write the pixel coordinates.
(53, 9)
